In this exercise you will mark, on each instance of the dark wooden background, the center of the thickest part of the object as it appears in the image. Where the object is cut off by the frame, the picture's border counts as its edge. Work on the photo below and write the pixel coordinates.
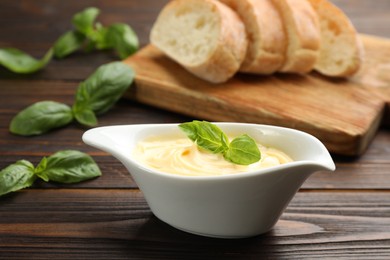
(344, 214)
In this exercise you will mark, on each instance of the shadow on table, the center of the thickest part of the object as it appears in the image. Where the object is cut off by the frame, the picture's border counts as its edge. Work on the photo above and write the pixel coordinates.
(179, 243)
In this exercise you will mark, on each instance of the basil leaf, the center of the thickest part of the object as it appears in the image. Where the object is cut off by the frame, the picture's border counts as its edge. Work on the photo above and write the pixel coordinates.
(68, 43)
(16, 176)
(40, 118)
(20, 62)
(123, 39)
(84, 20)
(69, 166)
(206, 135)
(100, 37)
(190, 129)
(85, 116)
(243, 150)
(104, 87)
(41, 167)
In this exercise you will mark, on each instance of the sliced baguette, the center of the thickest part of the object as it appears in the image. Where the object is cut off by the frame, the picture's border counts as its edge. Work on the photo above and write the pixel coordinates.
(302, 28)
(266, 38)
(341, 49)
(205, 36)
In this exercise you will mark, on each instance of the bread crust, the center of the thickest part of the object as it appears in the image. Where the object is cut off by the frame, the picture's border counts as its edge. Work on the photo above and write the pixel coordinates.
(341, 52)
(229, 51)
(301, 25)
(266, 37)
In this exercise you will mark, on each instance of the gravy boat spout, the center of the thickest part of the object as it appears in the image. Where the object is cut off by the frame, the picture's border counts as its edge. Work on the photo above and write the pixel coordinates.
(226, 206)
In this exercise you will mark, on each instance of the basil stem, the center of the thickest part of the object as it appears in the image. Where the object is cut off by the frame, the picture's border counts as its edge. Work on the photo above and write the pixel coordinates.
(20, 62)
(41, 117)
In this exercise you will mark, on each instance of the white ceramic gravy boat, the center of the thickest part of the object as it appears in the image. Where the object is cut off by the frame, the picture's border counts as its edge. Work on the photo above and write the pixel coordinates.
(228, 206)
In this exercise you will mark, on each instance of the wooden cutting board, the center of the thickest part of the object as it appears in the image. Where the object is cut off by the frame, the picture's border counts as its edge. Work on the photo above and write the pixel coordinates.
(343, 114)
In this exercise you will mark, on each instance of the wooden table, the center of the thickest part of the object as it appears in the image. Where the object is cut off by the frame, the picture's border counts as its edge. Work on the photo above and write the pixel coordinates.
(345, 214)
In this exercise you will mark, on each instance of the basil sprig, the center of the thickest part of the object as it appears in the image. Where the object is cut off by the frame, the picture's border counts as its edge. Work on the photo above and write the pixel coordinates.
(91, 35)
(87, 34)
(96, 95)
(242, 150)
(68, 166)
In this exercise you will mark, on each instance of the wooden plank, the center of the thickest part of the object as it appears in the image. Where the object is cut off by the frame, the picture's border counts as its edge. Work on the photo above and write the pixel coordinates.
(118, 224)
(342, 113)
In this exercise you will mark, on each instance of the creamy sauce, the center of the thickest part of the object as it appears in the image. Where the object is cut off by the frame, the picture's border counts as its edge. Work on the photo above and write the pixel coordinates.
(181, 156)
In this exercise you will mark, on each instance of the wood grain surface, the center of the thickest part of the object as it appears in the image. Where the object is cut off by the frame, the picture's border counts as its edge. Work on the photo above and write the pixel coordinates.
(336, 215)
(122, 226)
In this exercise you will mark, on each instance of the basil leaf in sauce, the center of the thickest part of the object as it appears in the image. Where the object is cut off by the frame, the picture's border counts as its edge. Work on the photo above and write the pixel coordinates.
(206, 135)
(242, 150)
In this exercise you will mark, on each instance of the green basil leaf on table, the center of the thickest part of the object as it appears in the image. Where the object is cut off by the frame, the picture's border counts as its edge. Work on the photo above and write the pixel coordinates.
(20, 62)
(68, 43)
(41, 167)
(84, 20)
(85, 116)
(68, 166)
(123, 39)
(40, 118)
(87, 35)
(99, 38)
(243, 150)
(94, 96)
(16, 177)
(104, 87)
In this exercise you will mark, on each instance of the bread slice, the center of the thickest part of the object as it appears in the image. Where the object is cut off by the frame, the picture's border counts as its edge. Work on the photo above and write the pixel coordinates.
(303, 33)
(266, 38)
(341, 49)
(205, 36)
